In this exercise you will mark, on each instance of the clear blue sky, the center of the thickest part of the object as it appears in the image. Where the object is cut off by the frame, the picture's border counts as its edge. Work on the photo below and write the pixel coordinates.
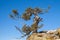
(51, 20)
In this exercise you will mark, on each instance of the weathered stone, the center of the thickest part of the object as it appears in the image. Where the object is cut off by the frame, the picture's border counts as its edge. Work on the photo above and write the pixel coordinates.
(49, 35)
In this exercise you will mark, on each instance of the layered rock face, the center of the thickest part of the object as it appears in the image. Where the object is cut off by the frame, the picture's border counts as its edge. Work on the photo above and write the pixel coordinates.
(49, 35)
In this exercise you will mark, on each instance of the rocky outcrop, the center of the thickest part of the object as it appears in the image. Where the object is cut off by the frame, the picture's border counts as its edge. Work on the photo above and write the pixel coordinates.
(49, 35)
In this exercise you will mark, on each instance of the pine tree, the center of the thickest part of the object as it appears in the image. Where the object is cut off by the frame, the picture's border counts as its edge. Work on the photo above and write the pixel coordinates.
(27, 16)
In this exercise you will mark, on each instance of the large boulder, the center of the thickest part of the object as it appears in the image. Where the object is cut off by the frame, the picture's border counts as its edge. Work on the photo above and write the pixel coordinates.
(49, 35)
